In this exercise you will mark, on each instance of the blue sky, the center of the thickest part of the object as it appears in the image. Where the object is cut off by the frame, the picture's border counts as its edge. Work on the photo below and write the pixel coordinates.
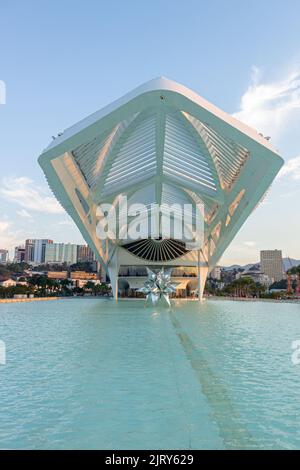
(61, 61)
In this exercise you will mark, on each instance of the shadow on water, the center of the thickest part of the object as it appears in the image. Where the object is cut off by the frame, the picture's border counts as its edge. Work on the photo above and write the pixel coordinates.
(232, 430)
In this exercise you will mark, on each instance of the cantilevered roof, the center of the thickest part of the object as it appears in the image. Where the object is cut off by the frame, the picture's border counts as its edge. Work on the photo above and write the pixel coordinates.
(162, 142)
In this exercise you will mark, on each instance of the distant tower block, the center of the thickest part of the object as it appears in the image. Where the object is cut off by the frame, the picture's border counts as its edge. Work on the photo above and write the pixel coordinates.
(271, 263)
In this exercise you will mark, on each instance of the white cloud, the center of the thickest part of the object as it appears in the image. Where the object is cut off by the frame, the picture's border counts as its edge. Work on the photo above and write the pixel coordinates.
(291, 169)
(4, 225)
(66, 222)
(250, 244)
(268, 106)
(24, 214)
(22, 191)
(9, 237)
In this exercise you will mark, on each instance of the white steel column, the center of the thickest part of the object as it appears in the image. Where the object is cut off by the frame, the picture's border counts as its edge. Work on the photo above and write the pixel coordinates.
(113, 271)
(202, 275)
(199, 277)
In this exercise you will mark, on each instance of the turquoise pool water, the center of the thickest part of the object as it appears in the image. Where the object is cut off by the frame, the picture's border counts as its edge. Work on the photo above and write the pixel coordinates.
(91, 374)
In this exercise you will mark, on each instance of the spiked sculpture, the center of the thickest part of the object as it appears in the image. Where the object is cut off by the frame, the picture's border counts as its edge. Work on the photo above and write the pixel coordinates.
(158, 286)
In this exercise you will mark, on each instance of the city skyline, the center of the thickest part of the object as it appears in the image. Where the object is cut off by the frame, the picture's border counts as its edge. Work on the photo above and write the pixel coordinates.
(85, 253)
(262, 88)
(47, 251)
(83, 243)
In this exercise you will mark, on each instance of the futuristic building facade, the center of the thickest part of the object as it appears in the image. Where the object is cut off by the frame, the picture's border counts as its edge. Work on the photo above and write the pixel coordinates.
(160, 144)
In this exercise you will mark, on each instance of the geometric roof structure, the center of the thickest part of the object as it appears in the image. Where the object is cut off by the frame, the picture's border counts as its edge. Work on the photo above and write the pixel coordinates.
(161, 144)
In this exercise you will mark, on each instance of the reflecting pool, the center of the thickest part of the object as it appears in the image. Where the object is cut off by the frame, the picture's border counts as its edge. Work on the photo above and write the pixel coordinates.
(93, 374)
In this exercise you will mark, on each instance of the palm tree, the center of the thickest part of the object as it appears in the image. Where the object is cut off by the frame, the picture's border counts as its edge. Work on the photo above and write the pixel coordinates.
(242, 287)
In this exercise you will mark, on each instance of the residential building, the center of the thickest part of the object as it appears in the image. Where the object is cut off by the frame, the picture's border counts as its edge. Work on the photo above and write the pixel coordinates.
(35, 250)
(61, 253)
(8, 283)
(256, 275)
(216, 273)
(271, 264)
(21, 283)
(57, 274)
(85, 254)
(96, 267)
(82, 275)
(19, 256)
(29, 251)
(3, 256)
(40, 250)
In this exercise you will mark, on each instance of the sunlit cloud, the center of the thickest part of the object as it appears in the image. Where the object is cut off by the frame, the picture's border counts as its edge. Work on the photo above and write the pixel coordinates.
(291, 169)
(9, 236)
(269, 106)
(66, 222)
(23, 192)
(250, 244)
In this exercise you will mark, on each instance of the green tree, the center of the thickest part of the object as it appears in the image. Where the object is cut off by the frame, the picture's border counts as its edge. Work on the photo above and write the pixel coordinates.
(78, 291)
(89, 285)
(101, 289)
(294, 270)
(243, 287)
(82, 266)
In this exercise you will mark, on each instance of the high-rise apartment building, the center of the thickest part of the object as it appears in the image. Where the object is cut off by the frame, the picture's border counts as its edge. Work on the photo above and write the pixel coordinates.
(61, 253)
(29, 251)
(85, 254)
(19, 254)
(40, 250)
(271, 264)
(3, 256)
(216, 273)
(35, 250)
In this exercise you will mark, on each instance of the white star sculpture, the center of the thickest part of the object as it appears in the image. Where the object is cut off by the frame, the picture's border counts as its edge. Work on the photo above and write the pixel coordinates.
(158, 286)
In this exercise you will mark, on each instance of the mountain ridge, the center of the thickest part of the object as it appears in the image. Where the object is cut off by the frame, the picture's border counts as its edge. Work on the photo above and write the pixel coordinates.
(287, 264)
